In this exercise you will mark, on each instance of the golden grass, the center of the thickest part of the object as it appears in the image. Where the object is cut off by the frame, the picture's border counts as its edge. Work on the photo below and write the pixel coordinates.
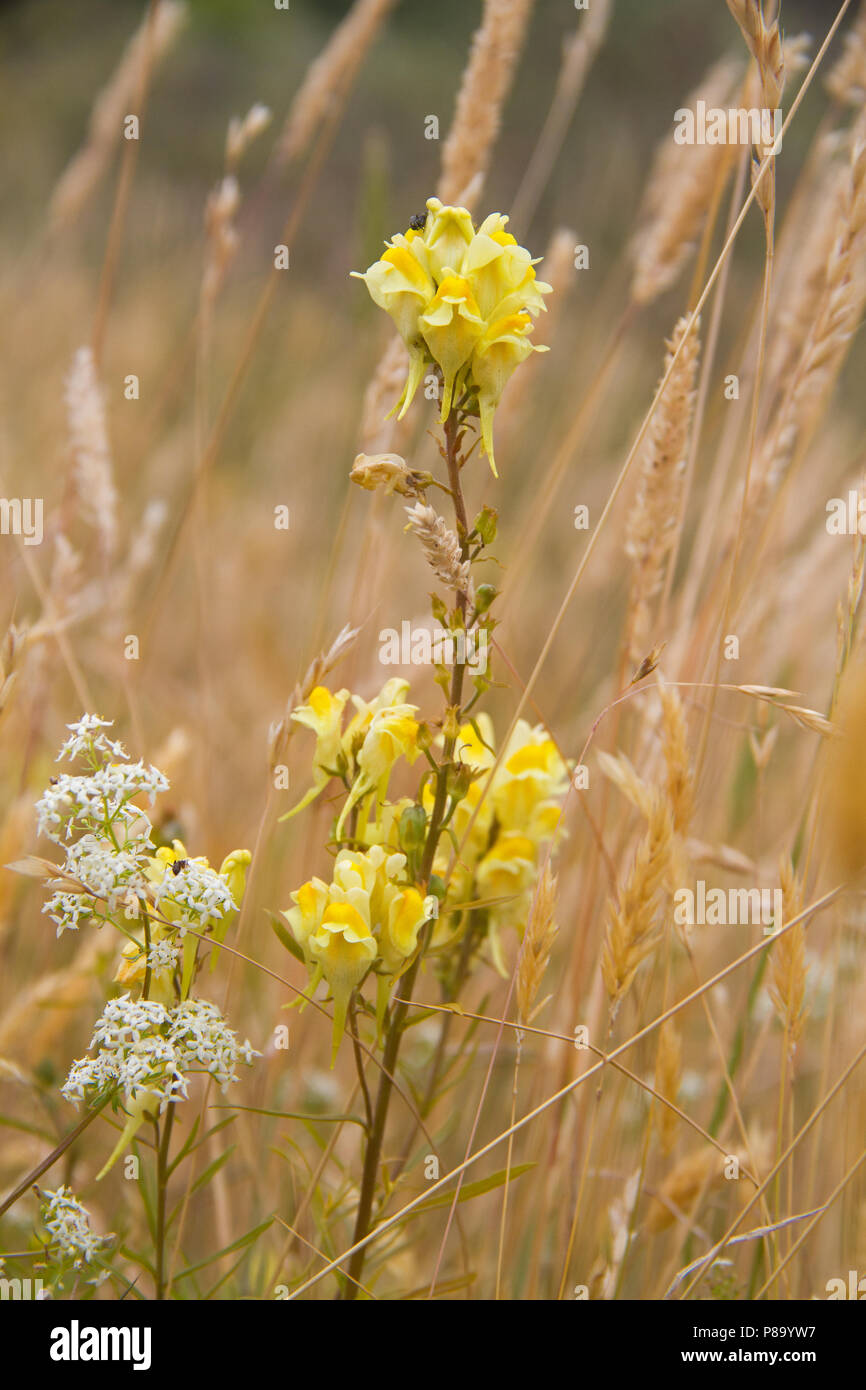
(743, 765)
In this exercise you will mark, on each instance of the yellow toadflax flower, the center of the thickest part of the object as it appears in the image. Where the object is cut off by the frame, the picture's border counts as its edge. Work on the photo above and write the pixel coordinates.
(463, 300)
(366, 918)
(323, 714)
(507, 872)
(528, 788)
(344, 948)
(451, 326)
(392, 733)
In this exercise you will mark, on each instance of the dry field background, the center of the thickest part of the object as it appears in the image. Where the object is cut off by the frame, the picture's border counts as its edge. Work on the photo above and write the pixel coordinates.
(257, 388)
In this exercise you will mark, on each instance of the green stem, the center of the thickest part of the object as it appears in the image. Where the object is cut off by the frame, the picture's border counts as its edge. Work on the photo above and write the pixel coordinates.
(397, 1021)
(162, 1171)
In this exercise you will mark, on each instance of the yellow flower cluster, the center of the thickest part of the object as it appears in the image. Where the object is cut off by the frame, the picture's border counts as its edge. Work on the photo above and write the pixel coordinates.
(363, 753)
(510, 821)
(367, 918)
(461, 299)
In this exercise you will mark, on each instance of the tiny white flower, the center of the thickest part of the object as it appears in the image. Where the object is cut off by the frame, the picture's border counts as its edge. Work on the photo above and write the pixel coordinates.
(67, 1222)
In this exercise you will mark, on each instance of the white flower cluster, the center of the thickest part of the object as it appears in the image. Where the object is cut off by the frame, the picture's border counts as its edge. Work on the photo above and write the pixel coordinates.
(100, 798)
(204, 1040)
(110, 856)
(196, 893)
(115, 877)
(164, 954)
(86, 741)
(67, 1222)
(143, 1046)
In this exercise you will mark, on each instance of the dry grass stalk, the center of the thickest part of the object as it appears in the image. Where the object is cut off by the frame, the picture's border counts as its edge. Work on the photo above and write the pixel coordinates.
(535, 949)
(684, 1187)
(221, 236)
(37, 1016)
(329, 78)
(16, 837)
(788, 963)
(844, 825)
(838, 312)
(848, 614)
(496, 47)
(680, 783)
(578, 56)
(765, 45)
(442, 549)
(80, 177)
(680, 188)
(651, 525)
(65, 580)
(242, 133)
(619, 1220)
(631, 927)
(779, 698)
(88, 433)
(846, 81)
(622, 773)
(11, 651)
(142, 550)
(802, 275)
(669, 1066)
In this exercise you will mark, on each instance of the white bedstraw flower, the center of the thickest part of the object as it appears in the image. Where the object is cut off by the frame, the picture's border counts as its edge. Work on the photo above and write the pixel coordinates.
(67, 1222)
(147, 1050)
(86, 741)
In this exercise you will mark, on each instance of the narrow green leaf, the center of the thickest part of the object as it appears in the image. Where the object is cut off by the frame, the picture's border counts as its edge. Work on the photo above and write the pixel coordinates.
(297, 1115)
(474, 1189)
(285, 938)
(238, 1244)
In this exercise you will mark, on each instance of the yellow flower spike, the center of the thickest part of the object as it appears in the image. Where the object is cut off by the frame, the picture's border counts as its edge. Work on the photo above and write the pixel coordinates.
(345, 948)
(451, 327)
(447, 233)
(323, 714)
(503, 347)
(462, 299)
(234, 871)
